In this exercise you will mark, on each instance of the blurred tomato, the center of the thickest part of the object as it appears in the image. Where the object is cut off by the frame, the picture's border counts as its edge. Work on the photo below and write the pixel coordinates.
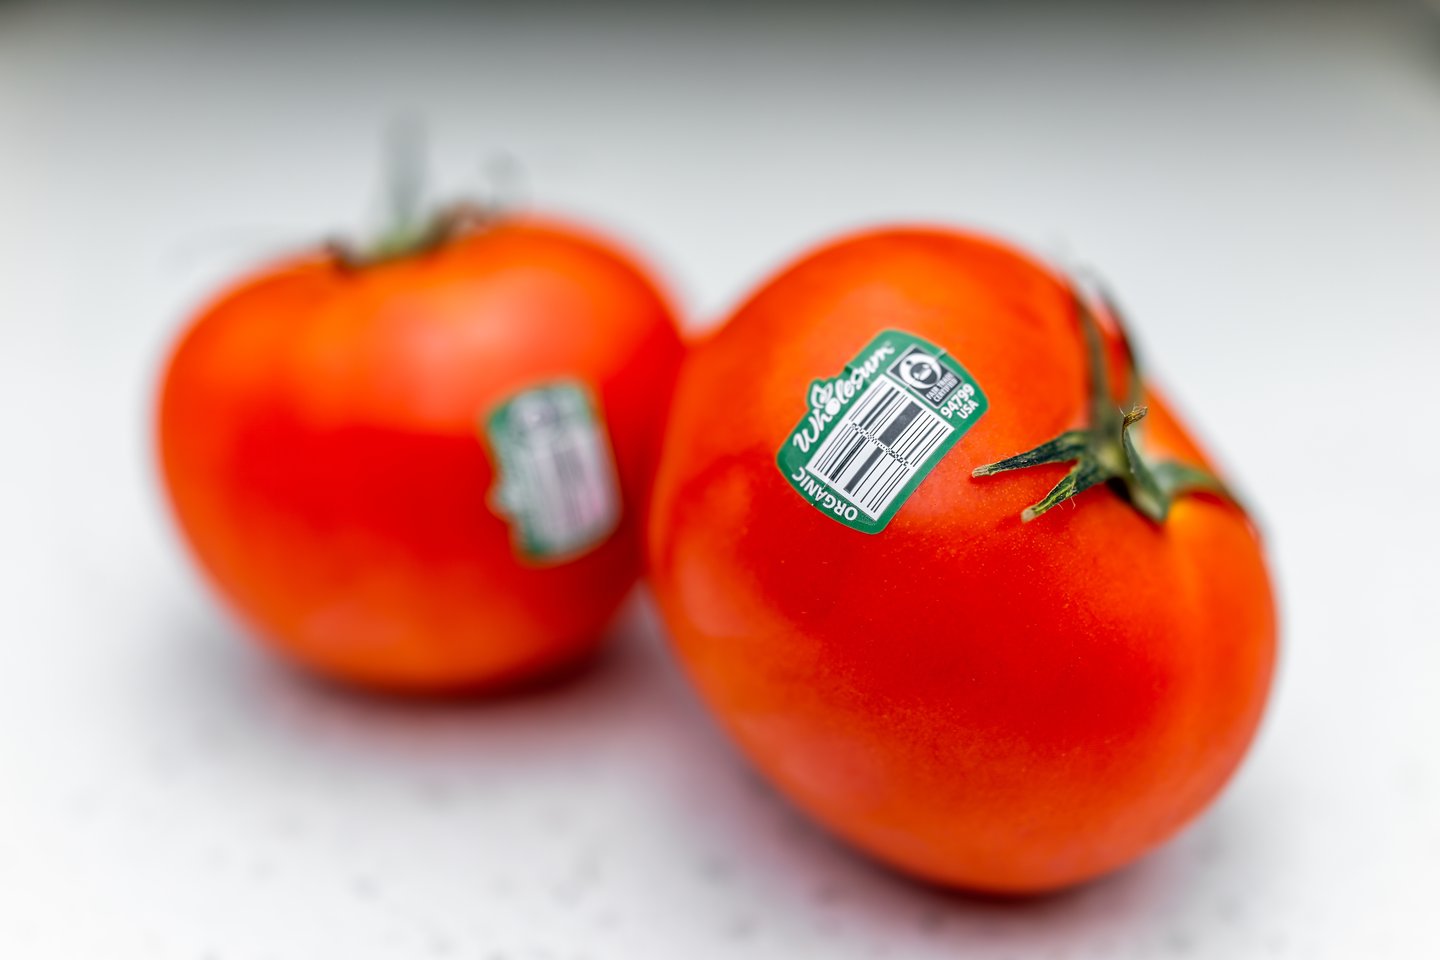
(424, 473)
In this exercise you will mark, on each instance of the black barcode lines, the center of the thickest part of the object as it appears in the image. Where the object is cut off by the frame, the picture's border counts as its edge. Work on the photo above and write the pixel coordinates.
(878, 446)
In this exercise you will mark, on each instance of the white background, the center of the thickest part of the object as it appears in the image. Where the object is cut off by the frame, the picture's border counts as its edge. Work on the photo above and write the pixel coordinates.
(1262, 185)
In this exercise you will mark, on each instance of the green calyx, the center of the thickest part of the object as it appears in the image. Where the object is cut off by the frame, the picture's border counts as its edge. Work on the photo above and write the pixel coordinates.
(411, 237)
(1109, 449)
(411, 226)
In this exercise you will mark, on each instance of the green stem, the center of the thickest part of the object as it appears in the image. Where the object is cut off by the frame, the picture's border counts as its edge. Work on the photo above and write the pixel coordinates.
(398, 242)
(409, 229)
(1108, 449)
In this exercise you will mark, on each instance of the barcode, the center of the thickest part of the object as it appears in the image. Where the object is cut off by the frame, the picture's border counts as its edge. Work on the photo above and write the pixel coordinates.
(878, 446)
(571, 502)
(558, 479)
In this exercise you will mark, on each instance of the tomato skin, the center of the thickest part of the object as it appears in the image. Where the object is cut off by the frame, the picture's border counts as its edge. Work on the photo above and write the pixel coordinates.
(985, 703)
(318, 437)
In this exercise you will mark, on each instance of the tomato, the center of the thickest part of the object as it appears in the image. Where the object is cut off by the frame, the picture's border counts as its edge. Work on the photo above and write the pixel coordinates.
(976, 689)
(426, 473)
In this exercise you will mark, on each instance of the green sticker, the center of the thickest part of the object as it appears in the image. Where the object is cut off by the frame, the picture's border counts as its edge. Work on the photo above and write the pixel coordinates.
(556, 480)
(876, 430)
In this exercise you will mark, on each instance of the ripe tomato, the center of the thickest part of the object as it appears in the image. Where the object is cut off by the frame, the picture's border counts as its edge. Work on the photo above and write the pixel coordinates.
(980, 700)
(428, 472)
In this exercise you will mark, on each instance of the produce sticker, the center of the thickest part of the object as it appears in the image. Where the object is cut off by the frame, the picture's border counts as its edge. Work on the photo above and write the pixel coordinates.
(556, 481)
(874, 432)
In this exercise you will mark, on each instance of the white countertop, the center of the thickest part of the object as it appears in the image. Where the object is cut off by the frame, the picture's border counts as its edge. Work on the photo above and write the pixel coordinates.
(1263, 188)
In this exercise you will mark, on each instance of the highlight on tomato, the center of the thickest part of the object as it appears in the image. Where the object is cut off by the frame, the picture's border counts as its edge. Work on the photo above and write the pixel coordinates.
(951, 571)
(423, 466)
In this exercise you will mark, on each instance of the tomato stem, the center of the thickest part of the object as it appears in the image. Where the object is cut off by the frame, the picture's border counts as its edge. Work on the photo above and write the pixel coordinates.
(409, 230)
(430, 234)
(1108, 449)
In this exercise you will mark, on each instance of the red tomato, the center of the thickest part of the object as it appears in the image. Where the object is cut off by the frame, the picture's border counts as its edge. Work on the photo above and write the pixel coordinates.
(334, 440)
(980, 700)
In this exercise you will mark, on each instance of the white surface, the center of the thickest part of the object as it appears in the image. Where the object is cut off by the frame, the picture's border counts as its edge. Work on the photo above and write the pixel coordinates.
(1262, 188)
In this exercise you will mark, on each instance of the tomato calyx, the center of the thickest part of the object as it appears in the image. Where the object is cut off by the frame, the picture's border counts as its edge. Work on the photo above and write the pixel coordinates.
(411, 227)
(1108, 448)
(411, 237)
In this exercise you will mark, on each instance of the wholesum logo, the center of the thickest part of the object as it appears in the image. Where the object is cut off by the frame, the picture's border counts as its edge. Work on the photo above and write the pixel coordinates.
(829, 397)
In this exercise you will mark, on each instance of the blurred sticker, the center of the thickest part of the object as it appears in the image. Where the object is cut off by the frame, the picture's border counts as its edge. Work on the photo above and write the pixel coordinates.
(556, 482)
